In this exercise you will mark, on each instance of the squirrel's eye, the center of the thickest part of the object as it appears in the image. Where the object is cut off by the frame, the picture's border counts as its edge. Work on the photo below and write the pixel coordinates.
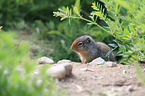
(80, 43)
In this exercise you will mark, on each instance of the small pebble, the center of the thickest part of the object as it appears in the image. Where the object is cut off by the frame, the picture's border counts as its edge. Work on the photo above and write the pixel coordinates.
(131, 77)
(101, 77)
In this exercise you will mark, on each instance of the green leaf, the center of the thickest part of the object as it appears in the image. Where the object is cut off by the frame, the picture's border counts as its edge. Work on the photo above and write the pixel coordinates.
(67, 11)
(113, 45)
(111, 14)
(76, 11)
(77, 4)
(98, 14)
(76, 8)
(94, 6)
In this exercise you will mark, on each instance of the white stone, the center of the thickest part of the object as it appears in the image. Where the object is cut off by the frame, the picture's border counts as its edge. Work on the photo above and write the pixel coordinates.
(101, 77)
(110, 64)
(44, 60)
(63, 61)
(97, 61)
(60, 71)
(57, 72)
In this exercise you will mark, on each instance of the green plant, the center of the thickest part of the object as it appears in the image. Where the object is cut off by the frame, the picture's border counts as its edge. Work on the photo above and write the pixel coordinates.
(17, 71)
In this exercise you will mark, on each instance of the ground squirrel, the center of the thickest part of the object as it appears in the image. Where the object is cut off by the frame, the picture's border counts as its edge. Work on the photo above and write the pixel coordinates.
(89, 50)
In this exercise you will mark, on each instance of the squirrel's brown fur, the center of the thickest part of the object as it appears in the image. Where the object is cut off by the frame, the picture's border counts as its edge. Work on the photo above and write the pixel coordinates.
(88, 49)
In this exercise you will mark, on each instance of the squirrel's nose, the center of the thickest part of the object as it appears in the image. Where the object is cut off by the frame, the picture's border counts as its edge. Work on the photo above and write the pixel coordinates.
(71, 47)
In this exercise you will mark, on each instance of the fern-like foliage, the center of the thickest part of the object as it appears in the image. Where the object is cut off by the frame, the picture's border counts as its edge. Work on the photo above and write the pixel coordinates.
(99, 11)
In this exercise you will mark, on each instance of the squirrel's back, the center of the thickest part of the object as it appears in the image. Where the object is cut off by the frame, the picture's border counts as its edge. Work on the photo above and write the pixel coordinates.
(103, 51)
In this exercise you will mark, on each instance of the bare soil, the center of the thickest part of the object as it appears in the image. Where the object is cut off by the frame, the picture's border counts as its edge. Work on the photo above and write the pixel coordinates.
(101, 80)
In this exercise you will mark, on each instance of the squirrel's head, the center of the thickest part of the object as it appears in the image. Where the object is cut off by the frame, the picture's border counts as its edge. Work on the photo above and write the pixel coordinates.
(83, 44)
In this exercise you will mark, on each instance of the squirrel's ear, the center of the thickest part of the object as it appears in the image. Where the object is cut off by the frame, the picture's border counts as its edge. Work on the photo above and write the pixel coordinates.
(88, 40)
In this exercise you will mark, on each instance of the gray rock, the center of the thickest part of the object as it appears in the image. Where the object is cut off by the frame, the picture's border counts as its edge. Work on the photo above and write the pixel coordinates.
(97, 61)
(63, 61)
(44, 60)
(110, 64)
(60, 71)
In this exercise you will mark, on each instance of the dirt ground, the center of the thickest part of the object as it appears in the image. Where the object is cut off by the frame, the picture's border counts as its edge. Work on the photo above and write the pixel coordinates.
(101, 80)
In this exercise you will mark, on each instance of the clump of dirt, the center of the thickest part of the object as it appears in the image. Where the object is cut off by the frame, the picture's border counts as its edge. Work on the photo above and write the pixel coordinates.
(101, 80)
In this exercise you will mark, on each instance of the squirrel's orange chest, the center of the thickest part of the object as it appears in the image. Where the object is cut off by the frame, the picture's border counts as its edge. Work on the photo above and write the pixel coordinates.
(83, 56)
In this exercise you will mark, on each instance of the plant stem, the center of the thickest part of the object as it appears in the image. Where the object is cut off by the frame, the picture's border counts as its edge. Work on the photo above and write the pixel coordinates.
(91, 22)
